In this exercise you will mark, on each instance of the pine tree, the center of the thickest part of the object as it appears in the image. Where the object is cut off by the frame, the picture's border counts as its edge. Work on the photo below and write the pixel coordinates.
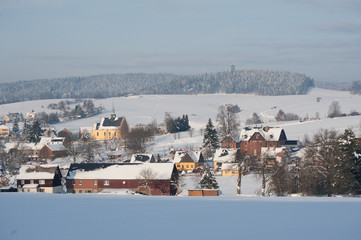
(208, 180)
(15, 127)
(349, 164)
(35, 132)
(210, 135)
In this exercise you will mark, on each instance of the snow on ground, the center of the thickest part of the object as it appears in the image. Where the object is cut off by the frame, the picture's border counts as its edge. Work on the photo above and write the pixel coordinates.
(107, 216)
(144, 109)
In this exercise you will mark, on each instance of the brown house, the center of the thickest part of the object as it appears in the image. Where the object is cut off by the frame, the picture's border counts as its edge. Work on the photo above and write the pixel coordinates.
(149, 179)
(253, 140)
(228, 142)
(42, 178)
(52, 151)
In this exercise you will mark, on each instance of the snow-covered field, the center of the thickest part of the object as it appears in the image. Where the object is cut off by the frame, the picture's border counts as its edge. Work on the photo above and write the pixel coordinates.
(51, 216)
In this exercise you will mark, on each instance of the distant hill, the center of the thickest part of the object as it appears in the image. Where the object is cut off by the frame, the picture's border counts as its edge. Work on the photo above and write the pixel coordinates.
(115, 85)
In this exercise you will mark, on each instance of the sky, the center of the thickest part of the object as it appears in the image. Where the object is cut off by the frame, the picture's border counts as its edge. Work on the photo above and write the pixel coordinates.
(60, 38)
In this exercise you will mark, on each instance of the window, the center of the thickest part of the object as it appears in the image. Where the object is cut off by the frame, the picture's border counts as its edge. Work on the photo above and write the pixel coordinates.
(97, 134)
(115, 134)
(89, 191)
(80, 191)
(95, 182)
(124, 182)
(73, 182)
(104, 134)
(178, 165)
(80, 182)
(22, 181)
(106, 182)
(109, 134)
(41, 181)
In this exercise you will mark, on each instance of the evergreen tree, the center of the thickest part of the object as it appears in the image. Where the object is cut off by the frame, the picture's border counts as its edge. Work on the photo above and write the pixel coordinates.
(349, 164)
(35, 132)
(16, 127)
(210, 135)
(208, 180)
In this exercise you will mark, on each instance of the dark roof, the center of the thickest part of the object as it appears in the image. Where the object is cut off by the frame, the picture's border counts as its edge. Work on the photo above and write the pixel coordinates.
(93, 166)
(291, 142)
(109, 122)
(144, 158)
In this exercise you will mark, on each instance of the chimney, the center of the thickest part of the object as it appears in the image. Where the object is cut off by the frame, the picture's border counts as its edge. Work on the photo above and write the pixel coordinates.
(266, 128)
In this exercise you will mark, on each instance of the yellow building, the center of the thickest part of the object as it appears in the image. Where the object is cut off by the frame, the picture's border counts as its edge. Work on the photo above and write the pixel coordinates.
(188, 161)
(229, 169)
(109, 128)
(4, 131)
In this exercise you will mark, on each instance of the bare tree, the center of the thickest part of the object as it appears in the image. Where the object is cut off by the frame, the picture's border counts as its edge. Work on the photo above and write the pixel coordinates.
(138, 138)
(320, 160)
(334, 110)
(244, 164)
(147, 175)
(227, 119)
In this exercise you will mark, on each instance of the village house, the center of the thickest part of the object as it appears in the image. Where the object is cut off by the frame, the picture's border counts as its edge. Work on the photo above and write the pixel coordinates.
(4, 131)
(252, 140)
(149, 179)
(229, 169)
(52, 151)
(42, 178)
(31, 151)
(224, 155)
(109, 128)
(8, 118)
(229, 142)
(188, 161)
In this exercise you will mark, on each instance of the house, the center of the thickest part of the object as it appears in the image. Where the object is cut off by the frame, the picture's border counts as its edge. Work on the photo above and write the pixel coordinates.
(31, 150)
(149, 179)
(8, 117)
(4, 131)
(51, 151)
(109, 128)
(228, 142)
(31, 116)
(253, 140)
(188, 161)
(229, 169)
(41, 178)
(224, 155)
(142, 158)
(274, 155)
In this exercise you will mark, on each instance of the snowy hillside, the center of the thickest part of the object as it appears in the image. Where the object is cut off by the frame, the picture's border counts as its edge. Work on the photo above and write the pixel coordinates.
(144, 109)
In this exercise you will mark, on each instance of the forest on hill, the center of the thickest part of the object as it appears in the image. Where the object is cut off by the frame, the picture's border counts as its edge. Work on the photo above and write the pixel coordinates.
(115, 85)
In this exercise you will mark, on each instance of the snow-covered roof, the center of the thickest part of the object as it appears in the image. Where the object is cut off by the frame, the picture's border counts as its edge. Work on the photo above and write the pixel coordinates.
(108, 124)
(163, 171)
(4, 127)
(28, 172)
(225, 155)
(28, 146)
(229, 166)
(268, 133)
(271, 152)
(27, 186)
(56, 147)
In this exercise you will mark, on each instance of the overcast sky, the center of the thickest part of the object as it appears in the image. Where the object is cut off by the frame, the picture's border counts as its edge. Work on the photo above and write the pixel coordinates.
(59, 38)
